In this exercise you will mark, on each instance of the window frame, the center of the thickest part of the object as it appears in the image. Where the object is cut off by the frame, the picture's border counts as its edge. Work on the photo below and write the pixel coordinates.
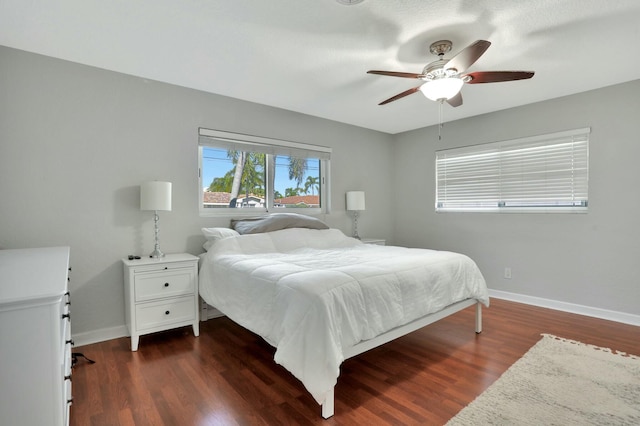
(496, 157)
(271, 147)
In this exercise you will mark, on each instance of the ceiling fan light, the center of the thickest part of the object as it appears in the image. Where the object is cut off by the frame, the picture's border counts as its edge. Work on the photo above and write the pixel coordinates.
(442, 88)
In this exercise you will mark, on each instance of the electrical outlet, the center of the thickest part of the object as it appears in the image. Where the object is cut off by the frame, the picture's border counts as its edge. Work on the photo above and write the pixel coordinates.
(507, 273)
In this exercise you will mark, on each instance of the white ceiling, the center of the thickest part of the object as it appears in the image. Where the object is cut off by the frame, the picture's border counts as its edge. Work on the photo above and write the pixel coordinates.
(311, 56)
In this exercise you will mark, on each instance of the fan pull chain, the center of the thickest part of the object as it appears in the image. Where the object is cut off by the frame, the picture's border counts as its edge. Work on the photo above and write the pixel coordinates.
(440, 120)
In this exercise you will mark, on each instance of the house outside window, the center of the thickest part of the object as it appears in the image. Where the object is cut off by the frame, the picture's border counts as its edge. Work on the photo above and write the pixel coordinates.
(247, 174)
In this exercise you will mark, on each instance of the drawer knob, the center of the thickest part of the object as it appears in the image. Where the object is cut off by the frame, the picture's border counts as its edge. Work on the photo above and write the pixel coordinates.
(69, 342)
(167, 312)
(166, 284)
(68, 377)
(66, 316)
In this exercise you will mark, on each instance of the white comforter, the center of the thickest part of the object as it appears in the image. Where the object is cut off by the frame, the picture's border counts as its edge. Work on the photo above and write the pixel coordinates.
(311, 293)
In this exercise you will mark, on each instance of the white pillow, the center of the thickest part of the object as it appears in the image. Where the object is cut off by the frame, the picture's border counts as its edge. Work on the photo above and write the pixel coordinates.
(215, 234)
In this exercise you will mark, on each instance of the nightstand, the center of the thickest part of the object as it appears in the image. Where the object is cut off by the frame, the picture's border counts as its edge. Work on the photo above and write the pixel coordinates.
(160, 294)
(376, 241)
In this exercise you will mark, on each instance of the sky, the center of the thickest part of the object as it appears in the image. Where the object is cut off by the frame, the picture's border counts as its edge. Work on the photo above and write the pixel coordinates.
(216, 164)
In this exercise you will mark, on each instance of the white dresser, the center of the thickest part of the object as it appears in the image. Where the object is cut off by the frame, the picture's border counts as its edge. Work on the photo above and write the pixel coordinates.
(35, 337)
(160, 294)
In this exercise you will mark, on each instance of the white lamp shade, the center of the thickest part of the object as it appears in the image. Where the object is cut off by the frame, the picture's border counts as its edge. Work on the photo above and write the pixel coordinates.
(355, 200)
(155, 196)
(442, 88)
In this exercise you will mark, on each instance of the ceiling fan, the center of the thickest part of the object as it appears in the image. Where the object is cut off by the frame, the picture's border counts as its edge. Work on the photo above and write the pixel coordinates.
(444, 78)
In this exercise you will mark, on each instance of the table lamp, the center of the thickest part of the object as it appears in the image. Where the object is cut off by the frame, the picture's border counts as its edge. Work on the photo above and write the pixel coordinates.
(155, 196)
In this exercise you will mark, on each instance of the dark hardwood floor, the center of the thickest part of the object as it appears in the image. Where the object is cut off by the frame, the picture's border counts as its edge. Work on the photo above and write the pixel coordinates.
(227, 376)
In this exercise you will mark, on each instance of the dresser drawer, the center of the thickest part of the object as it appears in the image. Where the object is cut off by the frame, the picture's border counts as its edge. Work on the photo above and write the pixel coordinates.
(65, 349)
(65, 321)
(68, 400)
(171, 283)
(159, 314)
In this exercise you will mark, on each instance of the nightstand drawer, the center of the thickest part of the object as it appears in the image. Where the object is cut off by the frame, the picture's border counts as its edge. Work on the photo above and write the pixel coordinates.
(169, 283)
(157, 265)
(157, 314)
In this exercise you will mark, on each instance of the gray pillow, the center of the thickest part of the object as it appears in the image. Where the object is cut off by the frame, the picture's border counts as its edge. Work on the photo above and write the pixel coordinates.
(276, 222)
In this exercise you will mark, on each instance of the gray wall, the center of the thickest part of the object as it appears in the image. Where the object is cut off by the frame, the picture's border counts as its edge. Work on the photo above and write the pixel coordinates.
(586, 259)
(76, 142)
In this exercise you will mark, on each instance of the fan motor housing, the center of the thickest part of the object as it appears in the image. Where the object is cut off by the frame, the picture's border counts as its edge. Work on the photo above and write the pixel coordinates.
(436, 70)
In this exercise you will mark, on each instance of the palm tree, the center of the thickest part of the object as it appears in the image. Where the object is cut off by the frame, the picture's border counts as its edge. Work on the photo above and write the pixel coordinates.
(239, 159)
(297, 169)
(253, 174)
(222, 184)
(311, 182)
(292, 192)
(248, 172)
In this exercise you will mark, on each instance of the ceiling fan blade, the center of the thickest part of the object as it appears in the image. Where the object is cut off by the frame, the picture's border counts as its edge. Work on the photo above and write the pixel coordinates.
(497, 76)
(396, 74)
(455, 101)
(400, 95)
(466, 57)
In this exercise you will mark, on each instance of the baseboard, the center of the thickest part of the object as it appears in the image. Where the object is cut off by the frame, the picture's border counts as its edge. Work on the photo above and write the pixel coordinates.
(589, 311)
(209, 312)
(104, 334)
(101, 335)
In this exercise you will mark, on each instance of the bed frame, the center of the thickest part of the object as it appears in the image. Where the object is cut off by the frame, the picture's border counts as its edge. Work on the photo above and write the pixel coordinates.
(365, 345)
(208, 312)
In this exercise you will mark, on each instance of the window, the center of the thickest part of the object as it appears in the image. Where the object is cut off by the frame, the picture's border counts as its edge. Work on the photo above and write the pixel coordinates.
(547, 173)
(250, 174)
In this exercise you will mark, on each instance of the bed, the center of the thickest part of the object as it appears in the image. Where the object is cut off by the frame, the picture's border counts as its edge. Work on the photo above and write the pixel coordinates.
(320, 297)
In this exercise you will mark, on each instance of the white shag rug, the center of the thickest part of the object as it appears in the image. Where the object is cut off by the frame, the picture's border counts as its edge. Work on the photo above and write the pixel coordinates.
(561, 382)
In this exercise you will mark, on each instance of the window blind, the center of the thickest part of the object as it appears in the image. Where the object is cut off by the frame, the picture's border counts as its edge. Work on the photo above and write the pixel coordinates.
(540, 173)
(240, 142)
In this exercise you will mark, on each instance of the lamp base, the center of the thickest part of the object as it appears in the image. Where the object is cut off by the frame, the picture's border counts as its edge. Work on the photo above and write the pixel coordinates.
(355, 225)
(156, 254)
